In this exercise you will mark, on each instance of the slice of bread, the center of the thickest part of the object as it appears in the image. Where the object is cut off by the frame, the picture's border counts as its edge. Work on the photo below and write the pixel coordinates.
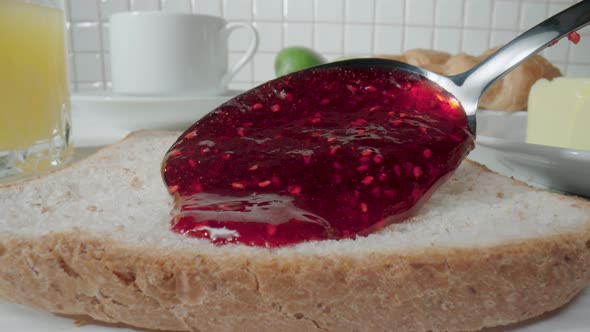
(94, 239)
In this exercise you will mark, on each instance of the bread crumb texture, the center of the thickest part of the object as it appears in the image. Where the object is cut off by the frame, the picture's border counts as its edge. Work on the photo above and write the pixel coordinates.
(467, 260)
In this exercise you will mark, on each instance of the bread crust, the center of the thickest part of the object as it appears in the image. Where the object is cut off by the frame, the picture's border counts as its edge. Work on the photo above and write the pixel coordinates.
(434, 289)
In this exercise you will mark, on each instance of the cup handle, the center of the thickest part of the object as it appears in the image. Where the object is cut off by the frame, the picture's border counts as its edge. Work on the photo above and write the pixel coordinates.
(252, 48)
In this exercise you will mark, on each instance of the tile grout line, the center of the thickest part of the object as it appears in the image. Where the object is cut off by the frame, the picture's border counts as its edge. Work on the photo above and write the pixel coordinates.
(313, 23)
(432, 29)
(373, 27)
(72, 46)
(284, 23)
(435, 35)
(544, 52)
(363, 23)
(519, 16)
(253, 73)
(344, 23)
(462, 28)
(492, 24)
(404, 28)
(101, 45)
(568, 50)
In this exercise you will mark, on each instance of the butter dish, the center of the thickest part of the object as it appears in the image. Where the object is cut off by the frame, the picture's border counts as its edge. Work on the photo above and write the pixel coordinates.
(554, 168)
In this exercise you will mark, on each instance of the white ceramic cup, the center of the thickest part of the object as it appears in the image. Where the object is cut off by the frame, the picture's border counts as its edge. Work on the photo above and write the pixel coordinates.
(173, 54)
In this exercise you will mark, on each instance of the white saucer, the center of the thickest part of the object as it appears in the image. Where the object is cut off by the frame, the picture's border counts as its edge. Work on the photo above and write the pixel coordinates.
(99, 117)
(565, 170)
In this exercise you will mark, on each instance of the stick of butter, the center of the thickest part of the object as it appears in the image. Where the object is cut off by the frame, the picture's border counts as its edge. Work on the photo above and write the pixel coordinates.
(559, 113)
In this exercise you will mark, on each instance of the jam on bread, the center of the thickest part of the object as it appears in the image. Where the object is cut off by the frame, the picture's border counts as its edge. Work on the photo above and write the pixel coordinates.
(325, 153)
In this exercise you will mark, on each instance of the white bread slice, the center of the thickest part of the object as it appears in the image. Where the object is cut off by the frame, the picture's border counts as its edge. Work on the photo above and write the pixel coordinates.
(94, 239)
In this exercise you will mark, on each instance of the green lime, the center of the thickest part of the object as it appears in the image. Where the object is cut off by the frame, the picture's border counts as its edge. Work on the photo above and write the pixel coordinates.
(292, 59)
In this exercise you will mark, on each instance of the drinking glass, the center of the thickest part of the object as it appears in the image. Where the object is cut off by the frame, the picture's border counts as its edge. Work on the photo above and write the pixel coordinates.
(34, 97)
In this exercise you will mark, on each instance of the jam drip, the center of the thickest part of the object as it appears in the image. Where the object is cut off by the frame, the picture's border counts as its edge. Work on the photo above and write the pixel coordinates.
(325, 153)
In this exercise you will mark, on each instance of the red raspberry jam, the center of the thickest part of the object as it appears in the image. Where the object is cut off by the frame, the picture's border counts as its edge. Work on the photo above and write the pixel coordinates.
(573, 36)
(325, 153)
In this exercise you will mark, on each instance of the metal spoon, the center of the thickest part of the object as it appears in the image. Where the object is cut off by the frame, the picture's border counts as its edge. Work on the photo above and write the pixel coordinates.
(469, 86)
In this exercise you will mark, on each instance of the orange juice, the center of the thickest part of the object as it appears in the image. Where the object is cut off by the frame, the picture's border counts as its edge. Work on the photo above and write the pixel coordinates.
(34, 101)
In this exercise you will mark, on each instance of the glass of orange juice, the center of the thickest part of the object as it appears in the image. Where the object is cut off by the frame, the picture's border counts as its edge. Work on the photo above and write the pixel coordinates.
(34, 97)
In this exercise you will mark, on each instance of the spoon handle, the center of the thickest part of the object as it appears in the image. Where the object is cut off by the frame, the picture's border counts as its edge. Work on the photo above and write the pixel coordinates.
(475, 81)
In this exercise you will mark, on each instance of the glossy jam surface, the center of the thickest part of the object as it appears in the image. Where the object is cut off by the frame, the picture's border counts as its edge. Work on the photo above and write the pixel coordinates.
(320, 154)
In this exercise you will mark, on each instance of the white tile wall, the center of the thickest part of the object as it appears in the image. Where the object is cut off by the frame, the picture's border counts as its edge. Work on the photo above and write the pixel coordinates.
(418, 37)
(420, 12)
(208, 7)
(474, 41)
(263, 67)
(505, 15)
(579, 71)
(335, 28)
(449, 13)
(86, 36)
(360, 11)
(579, 55)
(448, 39)
(176, 6)
(328, 37)
(271, 36)
(108, 8)
(267, 9)
(390, 11)
(89, 67)
(388, 39)
(238, 9)
(140, 5)
(356, 41)
(298, 10)
(298, 34)
(329, 10)
(84, 10)
(477, 13)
